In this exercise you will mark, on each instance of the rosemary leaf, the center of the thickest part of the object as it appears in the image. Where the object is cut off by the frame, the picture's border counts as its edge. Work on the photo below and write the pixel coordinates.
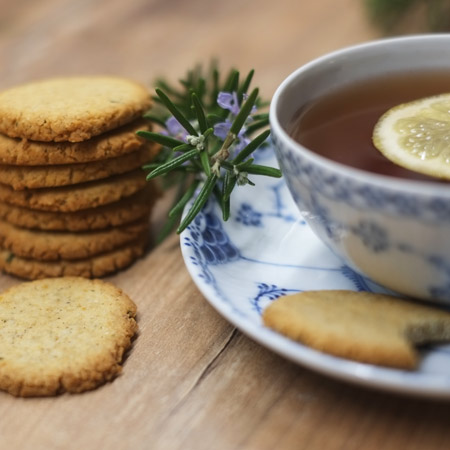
(204, 158)
(162, 84)
(227, 165)
(176, 113)
(150, 166)
(154, 118)
(200, 113)
(264, 170)
(208, 132)
(215, 86)
(232, 81)
(169, 226)
(226, 209)
(244, 165)
(229, 183)
(255, 126)
(260, 116)
(182, 148)
(251, 147)
(246, 84)
(223, 203)
(213, 118)
(199, 202)
(178, 208)
(172, 164)
(201, 88)
(244, 112)
(162, 139)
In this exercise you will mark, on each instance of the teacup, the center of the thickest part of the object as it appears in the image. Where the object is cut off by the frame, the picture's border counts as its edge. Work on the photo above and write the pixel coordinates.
(395, 231)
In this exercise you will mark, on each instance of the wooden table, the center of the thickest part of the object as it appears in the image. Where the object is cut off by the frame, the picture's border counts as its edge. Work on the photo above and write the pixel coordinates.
(192, 381)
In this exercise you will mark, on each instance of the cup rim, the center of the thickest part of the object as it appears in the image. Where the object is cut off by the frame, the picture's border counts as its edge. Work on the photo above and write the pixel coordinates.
(417, 187)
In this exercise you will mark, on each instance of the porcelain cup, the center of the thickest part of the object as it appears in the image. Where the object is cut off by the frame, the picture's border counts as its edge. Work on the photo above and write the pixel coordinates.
(394, 231)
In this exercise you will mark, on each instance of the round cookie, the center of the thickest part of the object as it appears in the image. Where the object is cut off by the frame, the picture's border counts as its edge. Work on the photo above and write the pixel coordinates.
(124, 211)
(362, 326)
(94, 267)
(76, 197)
(35, 177)
(53, 246)
(71, 109)
(112, 144)
(63, 335)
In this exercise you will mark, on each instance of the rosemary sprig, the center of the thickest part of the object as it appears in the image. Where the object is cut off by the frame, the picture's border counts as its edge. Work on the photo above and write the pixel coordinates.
(205, 134)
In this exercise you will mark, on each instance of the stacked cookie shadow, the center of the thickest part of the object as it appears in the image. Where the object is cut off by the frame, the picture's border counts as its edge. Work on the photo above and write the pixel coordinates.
(73, 197)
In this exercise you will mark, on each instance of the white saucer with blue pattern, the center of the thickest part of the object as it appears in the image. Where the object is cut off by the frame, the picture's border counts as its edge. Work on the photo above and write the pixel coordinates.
(266, 250)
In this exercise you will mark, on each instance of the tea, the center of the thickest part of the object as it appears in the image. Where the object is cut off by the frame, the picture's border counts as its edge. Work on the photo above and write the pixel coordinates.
(339, 126)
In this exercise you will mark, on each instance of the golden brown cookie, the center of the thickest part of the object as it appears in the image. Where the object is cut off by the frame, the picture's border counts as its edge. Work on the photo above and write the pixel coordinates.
(94, 267)
(78, 196)
(68, 245)
(127, 210)
(371, 328)
(71, 109)
(35, 177)
(112, 144)
(63, 335)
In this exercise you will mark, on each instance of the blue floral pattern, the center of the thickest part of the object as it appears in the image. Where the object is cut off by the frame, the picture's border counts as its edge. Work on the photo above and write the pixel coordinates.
(248, 216)
(268, 292)
(372, 235)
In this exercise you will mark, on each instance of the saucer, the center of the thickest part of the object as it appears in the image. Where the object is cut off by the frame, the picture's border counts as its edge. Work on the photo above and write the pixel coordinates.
(266, 250)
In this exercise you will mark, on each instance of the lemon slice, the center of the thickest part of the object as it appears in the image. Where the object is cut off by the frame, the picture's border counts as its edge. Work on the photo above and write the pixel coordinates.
(416, 135)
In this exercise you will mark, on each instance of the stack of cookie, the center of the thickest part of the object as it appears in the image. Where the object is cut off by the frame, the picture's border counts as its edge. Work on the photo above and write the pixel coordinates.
(73, 197)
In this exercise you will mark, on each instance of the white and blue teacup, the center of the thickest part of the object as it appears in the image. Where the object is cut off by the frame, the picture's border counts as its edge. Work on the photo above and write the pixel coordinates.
(395, 231)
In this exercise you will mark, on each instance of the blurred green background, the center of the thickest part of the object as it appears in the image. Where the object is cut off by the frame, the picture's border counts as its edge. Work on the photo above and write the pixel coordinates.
(409, 16)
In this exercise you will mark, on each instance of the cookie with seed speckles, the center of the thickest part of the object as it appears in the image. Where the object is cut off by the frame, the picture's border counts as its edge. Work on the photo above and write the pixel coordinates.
(93, 267)
(362, 326)
(72, 109)
(63, 335)
(53, 246)
(35, 177)
(127, 210)
(78, 196)
(117, 142)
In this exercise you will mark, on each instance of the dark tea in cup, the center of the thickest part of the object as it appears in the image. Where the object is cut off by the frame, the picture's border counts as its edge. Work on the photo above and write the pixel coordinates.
(339, 125)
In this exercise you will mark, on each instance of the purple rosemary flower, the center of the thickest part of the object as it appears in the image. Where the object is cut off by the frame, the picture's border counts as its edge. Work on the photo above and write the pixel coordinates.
(175, 129)
(229, 101)
(221, 129)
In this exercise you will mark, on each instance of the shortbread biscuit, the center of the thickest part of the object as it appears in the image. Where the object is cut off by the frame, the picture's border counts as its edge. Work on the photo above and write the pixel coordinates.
(94, 267)
(370, 328)
(78, 196)
(53, 246)
(112, 144)
(71, 109)
(124, 211)
(63, 335)
(35, 177)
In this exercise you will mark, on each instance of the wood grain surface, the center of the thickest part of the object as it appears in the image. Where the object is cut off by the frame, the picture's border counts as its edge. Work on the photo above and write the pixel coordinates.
(192, 381)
